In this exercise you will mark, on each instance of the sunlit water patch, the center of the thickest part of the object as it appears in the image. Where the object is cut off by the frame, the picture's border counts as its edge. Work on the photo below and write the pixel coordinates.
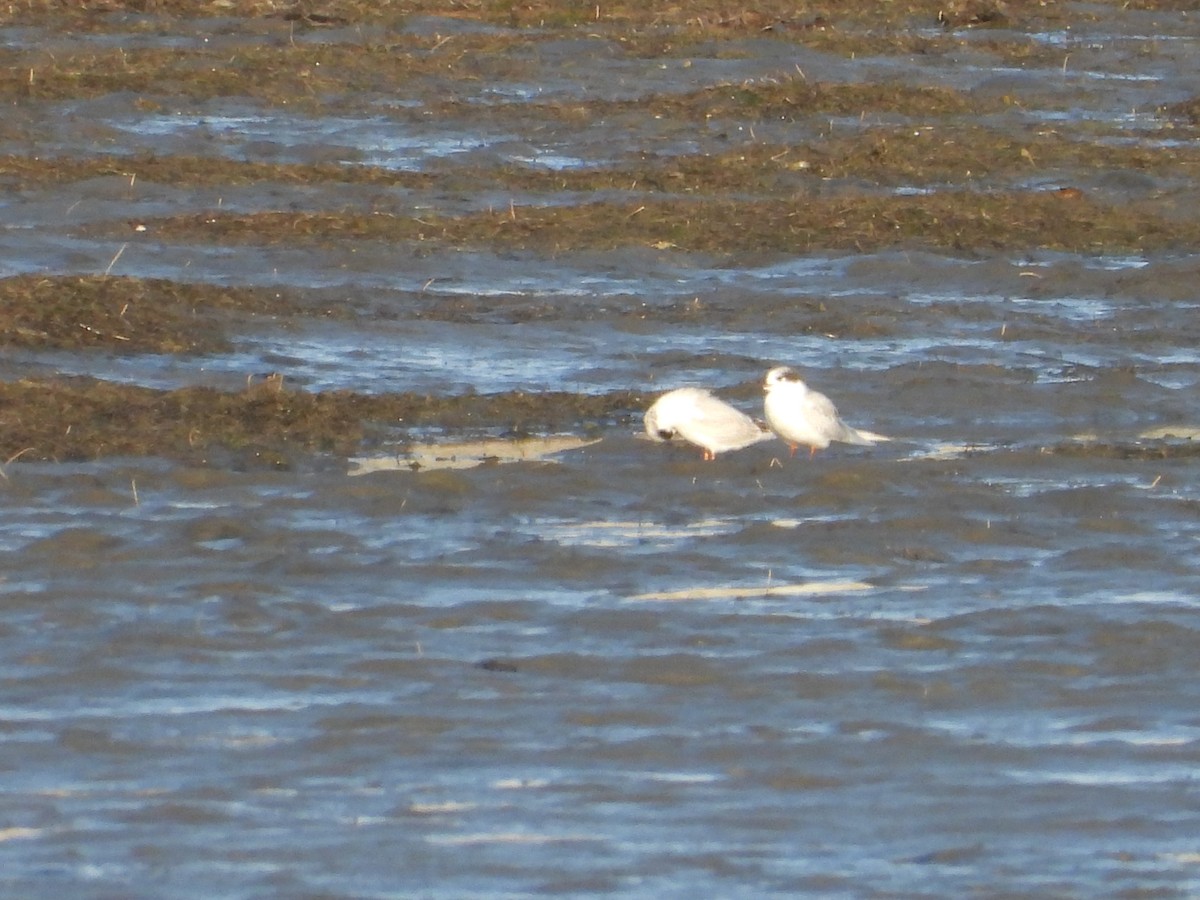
(440, 358)
(628, 535)
(1072, 309)
(377, 141)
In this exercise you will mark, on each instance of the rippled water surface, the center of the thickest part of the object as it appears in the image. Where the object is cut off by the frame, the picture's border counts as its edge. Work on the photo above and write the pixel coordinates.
(961, 663)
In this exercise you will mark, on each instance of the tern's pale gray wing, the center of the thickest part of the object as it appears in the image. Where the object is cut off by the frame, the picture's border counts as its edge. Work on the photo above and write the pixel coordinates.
(719, 427)
(826, 418)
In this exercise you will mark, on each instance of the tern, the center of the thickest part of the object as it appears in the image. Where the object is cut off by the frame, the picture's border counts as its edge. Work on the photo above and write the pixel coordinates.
(702, 419)
(804, 417)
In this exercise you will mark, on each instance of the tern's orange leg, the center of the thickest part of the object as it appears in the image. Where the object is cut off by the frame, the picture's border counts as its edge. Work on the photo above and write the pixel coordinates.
(709, 456)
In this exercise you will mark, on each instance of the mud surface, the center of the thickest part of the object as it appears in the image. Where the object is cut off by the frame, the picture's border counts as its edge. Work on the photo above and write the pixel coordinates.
(334, 563)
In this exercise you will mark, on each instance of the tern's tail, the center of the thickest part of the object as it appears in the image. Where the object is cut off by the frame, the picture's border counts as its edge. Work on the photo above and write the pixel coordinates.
(857, 436)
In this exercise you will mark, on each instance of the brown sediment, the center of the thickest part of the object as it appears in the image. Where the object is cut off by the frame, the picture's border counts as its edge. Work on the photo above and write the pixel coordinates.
(1188, 109)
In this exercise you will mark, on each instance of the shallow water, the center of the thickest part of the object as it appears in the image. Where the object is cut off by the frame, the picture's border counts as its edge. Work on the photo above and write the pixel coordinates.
(962, 662)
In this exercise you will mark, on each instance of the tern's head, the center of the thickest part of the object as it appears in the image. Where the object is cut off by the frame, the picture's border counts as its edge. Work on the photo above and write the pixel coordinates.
(781, 376)
(654, 430)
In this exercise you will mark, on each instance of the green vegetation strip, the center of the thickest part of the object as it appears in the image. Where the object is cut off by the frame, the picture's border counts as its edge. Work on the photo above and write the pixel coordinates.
(288, 74)
(956, 220)
(299, 74)
(196, 170)
(82, 418)
(124, 314)
(714, 15)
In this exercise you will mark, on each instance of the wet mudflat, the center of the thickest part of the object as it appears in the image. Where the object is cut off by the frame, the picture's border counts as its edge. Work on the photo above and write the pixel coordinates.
(333, 563)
